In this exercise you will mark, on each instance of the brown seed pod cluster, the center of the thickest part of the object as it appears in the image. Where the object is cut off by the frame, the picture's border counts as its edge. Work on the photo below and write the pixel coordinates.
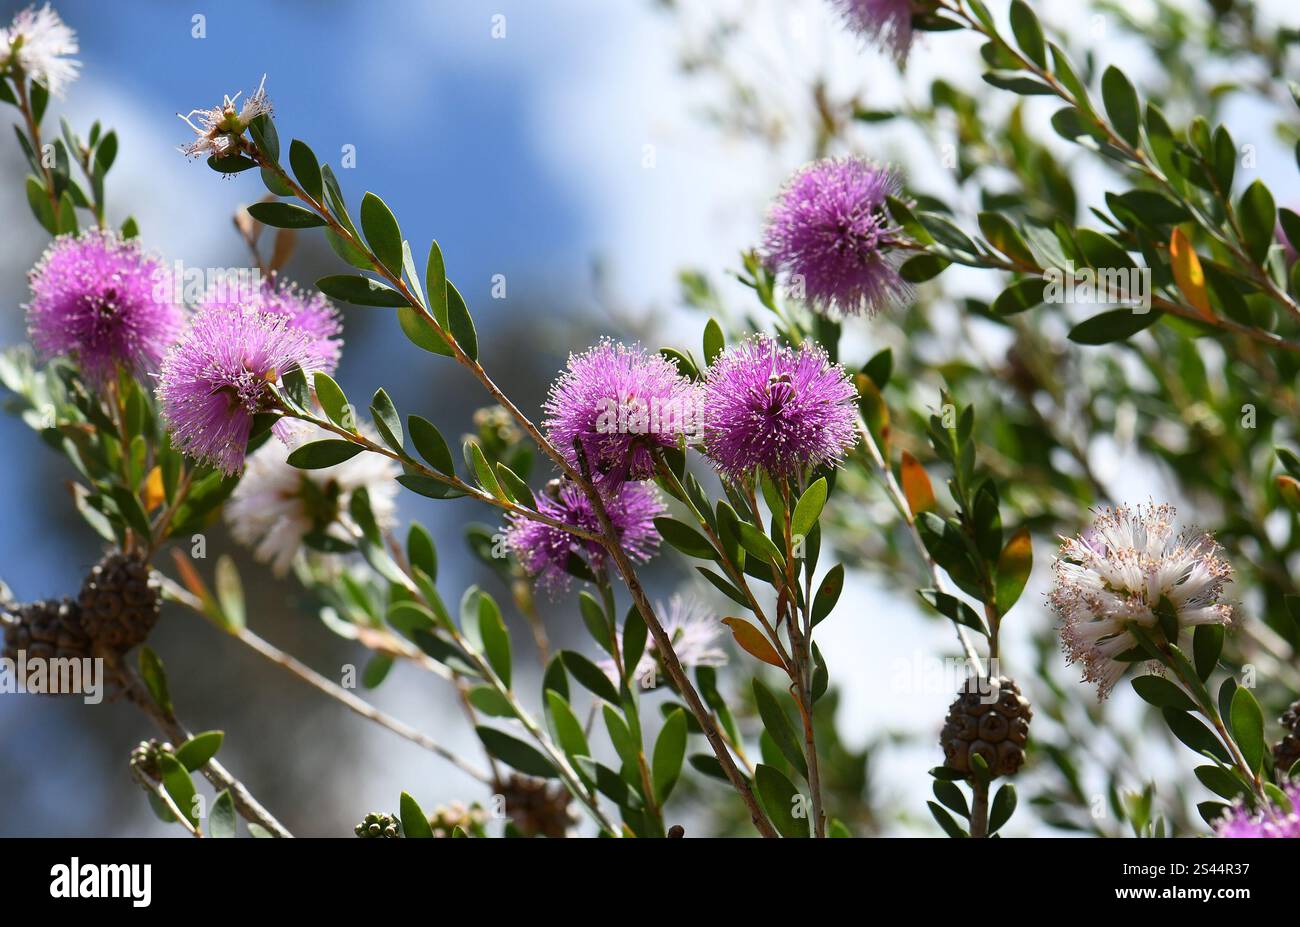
(989, 719)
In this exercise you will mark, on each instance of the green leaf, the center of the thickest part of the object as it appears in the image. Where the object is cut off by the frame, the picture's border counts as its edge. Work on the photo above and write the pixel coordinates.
(635, 634)
(231, 164)
(429, 443)
(1025, 86)
(1152, 208)
(953, 608)
(387, 422)
(685, 538)
(1258, 218)
(306, 169)
(274, 183)
(477, 462)
(589, 675)
(460, 323)
(285, 216)
(129, 505)
(923, 267)
(779, 796)
(620, 735)
(200, 748)
(515, 753)
(318, 455)
(361, 291)
(760, 545)
(1158, 691)
(714, 341)
(597, 622)
(669, 754)
(880, 367)
(294, 384)
(1002, 235)
(951, 797)
(376, 670)
(496, 639)
(1195, 735)
(155, 679)
(778, 726)
(1003, 806)
(1114, 325)
(809, 508)
(222, 822)
(1028, 32)
(415, 823)
(39, 201)
(685, 364)
(435, 282)
(1248, 728)
(1222, 782)
(491, 702)
(262, 129)
(565, 724)
(945, 820)
(421, 333)
(176, 780)
(514, 486)
(828, 593)
(1122, 104)
(382, 233)
(331, 396)
(1207, 644)
(1020, 296)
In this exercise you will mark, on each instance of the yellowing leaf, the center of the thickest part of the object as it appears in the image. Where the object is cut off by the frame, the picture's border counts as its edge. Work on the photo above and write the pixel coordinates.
(1188, 273)
(1014, 565)
(198, 588)
(1289, 489)
(752, 641)
(916, 485)
(153, 490)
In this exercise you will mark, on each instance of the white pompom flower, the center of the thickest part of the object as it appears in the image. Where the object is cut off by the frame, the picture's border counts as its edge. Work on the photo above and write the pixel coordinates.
(1131, 568)
(219, 129)
(694, 632)
(275, 506)
(38, 45)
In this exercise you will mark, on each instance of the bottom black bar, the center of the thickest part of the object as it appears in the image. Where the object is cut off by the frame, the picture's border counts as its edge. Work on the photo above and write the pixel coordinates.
(336, 876)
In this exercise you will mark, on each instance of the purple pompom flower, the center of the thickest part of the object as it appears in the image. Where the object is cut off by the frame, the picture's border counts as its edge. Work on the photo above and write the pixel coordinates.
(887, 23)
(312, 313)
(544, 550)
(829, 232)
(95, 298)
(772, 407)
(619, 403)
(1272, 820)
(220, 375)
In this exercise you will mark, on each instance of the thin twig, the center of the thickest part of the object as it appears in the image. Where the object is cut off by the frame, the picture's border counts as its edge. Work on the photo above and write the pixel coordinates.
(249, 807)
(329, 687)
